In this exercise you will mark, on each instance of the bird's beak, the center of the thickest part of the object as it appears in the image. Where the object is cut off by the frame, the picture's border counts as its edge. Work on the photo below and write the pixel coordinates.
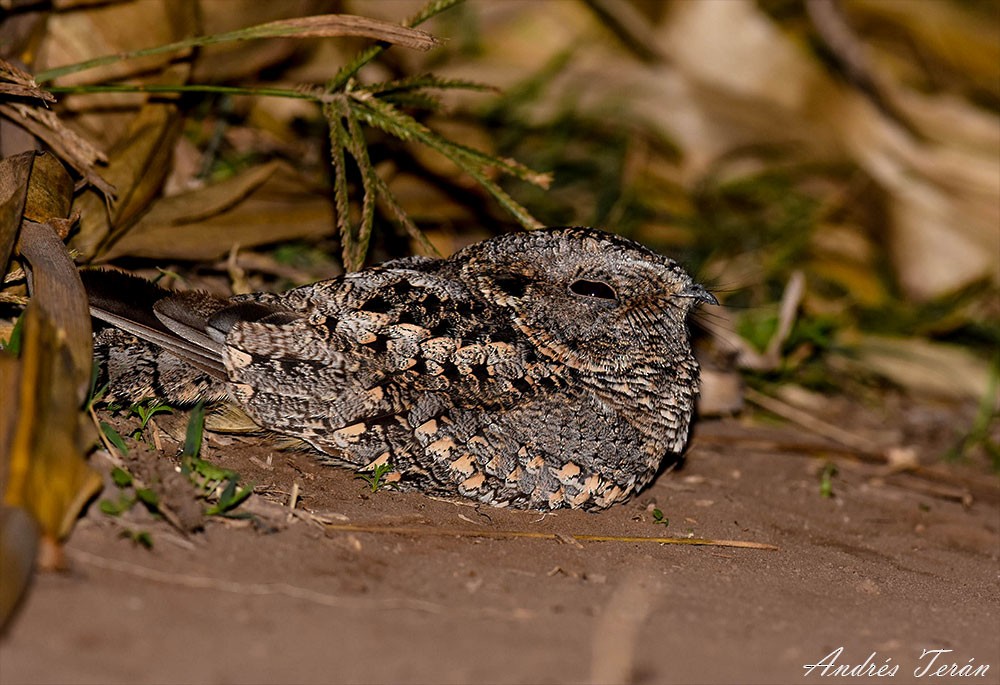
(698, 293)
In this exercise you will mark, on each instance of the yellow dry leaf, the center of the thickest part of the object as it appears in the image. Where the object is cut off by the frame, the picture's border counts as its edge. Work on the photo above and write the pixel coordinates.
(45, 470)
(50, 190)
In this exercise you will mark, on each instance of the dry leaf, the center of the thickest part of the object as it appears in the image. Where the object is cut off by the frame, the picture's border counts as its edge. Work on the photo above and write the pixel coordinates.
(69, 145)
(332, 25)
(138, 165)
(966, 42)
(941, 193)
(227, 62)
(922, 366)
(733, 78)
(50, 190)
(267, 204)
(46, 473)
(82, 33)
(56, 287)
(14, 174)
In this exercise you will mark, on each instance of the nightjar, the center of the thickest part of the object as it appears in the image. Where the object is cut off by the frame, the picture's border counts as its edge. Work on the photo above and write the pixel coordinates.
(541, 370)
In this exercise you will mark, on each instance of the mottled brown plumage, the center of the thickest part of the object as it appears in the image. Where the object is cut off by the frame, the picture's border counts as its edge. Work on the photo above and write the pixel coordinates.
(537, 370)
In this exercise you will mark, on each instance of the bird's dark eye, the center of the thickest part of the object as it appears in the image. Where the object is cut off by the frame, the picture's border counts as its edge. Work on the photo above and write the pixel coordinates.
(596, 289)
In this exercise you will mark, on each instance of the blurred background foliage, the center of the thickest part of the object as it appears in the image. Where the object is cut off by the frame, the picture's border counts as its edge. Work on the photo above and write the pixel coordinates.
(830, 169)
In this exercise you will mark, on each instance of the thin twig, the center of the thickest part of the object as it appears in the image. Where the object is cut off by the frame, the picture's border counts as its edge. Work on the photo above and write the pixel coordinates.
(534, 535)
(817, 426)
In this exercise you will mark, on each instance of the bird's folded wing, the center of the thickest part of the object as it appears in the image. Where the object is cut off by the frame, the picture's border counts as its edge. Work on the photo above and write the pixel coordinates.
(173, 321)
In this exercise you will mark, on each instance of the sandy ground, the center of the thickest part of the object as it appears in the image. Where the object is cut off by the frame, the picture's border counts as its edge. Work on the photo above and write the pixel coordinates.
(892, 565)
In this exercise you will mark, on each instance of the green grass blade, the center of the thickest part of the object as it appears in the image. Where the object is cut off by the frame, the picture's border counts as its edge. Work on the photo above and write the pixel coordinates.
(195, 431)
(360, 154)
(13, 344)
(396, 211)
(339, 143)
(422, 81)
(299, 94)
(113, 437)
(384, 116)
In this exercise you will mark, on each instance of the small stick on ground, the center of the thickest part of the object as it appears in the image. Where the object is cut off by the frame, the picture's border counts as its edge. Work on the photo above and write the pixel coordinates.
(534, 535)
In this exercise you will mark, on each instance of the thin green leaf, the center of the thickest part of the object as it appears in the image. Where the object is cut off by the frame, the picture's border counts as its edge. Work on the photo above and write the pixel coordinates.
(13, 344)
(429, 10)
(121, 477)
(374, 477)
(414, 100)
(209, 472)
(513, 208)
(148, 497)
(826, 480)
(113, 437)
(297, 94)
(118, 508)
(384, 116)
(425, 81)
(195, 431)
(94, 395)
(230, 498)
(145, 411)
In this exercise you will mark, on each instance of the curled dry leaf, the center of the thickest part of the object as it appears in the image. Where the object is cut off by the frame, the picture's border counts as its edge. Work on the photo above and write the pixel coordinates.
(56, 286)
(138, 137)
(70, 146)
(138, 165)
(46, 125)
(332, 25)
(44, 477)
(14, 174)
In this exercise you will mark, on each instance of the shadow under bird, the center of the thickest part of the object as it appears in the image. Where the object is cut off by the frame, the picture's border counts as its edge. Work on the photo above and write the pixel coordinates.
(545, 369)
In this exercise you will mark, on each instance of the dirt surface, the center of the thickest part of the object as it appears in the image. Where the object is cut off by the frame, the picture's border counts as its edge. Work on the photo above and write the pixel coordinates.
(892, 564)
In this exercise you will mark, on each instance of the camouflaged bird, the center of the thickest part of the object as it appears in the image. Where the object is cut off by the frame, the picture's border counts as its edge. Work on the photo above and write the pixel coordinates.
(544, 369)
